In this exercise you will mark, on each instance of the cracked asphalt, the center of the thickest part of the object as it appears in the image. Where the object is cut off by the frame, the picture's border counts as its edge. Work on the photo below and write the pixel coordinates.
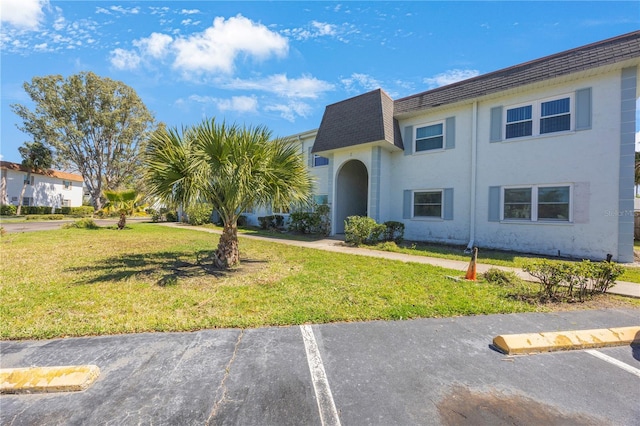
(420, 372)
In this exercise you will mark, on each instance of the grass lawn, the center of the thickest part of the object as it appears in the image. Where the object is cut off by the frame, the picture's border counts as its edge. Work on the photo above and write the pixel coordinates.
(489, 257)
(75, 282)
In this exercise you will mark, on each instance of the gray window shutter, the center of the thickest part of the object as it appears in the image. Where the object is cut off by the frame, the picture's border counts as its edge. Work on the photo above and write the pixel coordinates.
(407, 205)
(447, 204)
(450, 133)
(494, 204)
(310, 159)
(583, 109)
(496, 124)
(408, 140)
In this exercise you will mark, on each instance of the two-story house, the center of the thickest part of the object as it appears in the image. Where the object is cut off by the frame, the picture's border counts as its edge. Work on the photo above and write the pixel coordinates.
(536, 158)
(50, 188)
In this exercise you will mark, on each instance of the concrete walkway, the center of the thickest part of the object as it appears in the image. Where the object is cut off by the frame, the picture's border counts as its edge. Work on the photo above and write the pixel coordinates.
(621, 288)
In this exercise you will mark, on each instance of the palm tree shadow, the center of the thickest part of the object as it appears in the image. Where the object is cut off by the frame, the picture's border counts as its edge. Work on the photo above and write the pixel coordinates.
(170, 266)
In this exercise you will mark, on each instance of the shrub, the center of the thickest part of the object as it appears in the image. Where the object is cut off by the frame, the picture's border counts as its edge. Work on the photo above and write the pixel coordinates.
(362, 230)
(36, 210)
(80, 211)
(316, 221)
(394, 231)
(500, 277)
(45, 217)
(564, 280)
(169, 215)
(86, 223)
(199, 214)
(8, 210)
(274, 221)
(242, 220)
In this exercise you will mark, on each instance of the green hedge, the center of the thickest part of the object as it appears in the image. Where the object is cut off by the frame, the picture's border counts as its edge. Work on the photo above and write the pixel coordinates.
(8, 210)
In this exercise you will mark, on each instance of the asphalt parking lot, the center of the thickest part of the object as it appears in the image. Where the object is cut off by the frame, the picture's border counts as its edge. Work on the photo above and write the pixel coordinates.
(418, 372)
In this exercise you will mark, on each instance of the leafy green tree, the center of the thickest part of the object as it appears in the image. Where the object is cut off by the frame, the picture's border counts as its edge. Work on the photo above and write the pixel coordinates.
(35, 157)
(94, 125)
(229, 167)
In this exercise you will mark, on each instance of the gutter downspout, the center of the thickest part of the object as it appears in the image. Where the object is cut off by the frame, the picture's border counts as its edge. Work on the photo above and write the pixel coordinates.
(474, 173)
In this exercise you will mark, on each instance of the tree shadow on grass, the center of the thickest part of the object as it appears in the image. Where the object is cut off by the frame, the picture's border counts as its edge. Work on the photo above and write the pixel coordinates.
(169, 266)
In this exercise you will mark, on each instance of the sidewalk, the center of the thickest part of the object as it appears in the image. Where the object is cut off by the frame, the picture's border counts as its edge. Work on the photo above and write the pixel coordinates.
(621, 288)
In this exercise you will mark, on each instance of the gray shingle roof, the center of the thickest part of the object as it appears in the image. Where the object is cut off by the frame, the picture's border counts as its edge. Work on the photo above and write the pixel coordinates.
(363, 119)
(372, 117)
(605, 52)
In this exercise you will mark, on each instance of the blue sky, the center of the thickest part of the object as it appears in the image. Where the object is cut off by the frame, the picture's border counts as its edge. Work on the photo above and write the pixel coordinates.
(280, 63)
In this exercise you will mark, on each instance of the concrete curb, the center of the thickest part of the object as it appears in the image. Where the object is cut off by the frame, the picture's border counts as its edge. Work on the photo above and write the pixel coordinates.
(48, 379)
(527, 343)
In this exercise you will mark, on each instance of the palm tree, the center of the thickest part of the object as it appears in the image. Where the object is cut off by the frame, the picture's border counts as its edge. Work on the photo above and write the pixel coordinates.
(229, 167)
(35, 157)
(124, 202)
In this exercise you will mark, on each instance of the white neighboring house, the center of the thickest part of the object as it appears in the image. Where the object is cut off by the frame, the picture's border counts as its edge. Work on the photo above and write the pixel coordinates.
(537, 157)
(51, 188)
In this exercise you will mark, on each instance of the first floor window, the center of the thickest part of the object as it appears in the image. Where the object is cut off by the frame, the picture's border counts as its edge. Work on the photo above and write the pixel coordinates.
(66, 203)
(517, 203)
(427, 204)
(537, 203)
(318, 160)
(321, 199)
(27, 201)
(553, 203)
(429, 137)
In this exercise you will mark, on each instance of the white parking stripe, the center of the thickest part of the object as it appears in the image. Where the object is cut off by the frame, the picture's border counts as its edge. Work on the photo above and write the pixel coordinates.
(326, 406)
(614, 361)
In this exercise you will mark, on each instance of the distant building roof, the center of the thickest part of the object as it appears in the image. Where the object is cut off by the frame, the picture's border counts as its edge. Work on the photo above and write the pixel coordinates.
(372, 117)
(363, 119)
(51, 173)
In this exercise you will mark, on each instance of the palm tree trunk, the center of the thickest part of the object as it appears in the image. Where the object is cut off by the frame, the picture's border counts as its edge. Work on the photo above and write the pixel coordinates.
(227, 254)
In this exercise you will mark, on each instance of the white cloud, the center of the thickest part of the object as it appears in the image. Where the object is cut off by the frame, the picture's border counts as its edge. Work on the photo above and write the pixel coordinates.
(216, 49)
(305, 87)
(156, 45)
(125, 10)
(189, 11)
(243, 104)
(316, 29)
(290, 110)
(124, 59)
(358, 80)
(23, 14)
(450, 77)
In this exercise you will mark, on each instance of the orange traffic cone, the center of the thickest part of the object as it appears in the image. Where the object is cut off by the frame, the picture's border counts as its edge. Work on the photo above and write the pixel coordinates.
(471, 271)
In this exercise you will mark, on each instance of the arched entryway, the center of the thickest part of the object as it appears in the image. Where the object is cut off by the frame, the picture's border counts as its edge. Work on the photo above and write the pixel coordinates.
(352, 187)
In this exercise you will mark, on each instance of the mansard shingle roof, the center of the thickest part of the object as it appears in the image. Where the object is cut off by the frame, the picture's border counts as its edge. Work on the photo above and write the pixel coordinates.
(605, 52)
(363, 119)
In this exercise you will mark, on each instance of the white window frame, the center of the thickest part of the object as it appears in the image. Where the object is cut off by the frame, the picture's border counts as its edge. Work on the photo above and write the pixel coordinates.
(67, 185)
(423, 125)
(536, 116)
(534, 203)
(316, 157)
(413, 204)
(66, 202)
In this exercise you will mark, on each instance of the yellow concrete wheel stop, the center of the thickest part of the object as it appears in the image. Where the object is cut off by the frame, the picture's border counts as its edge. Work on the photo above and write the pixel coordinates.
(48, 379)
(513, 344)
